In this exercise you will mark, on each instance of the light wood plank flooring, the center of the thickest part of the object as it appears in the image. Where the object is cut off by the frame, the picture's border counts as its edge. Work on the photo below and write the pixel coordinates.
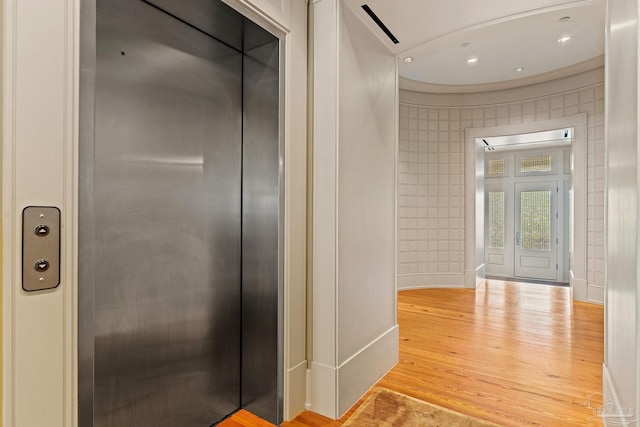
(511, 353)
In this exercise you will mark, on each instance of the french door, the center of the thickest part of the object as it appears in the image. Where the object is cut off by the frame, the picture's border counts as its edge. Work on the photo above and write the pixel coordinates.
(536, 230)
(521, 232)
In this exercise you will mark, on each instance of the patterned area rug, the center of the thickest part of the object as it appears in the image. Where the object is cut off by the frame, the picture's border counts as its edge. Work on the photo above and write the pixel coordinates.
(386, 408)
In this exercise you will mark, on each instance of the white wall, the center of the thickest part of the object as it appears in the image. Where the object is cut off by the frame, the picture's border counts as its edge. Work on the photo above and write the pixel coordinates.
(622, 358)
(366, 202)
(431, 204)
(355, 338)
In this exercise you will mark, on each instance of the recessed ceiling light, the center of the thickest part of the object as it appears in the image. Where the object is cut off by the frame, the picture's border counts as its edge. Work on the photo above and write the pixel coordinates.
(564, 19)
(564, 39)
(465, 44)
(408, 59)
(473, 60)
(519, 70)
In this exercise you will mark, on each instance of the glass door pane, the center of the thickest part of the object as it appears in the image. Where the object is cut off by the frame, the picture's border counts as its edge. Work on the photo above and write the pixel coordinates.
(535, 220)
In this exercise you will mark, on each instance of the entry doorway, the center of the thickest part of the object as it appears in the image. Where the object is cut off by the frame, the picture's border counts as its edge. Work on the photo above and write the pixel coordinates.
(527, 203)
(475, 151)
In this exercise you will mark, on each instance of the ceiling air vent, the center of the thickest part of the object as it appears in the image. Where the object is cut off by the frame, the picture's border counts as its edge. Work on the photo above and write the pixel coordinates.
(380, 24)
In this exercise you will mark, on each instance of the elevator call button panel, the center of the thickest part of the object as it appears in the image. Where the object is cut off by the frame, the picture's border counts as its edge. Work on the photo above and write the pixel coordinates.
(40, 248)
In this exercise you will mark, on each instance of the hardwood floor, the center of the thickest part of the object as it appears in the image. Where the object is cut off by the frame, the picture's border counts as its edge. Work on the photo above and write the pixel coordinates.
(510, 353)
(244, 418)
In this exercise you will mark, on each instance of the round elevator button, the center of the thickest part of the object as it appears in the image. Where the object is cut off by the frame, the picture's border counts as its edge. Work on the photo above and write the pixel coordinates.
(41, 230)
(41, 265)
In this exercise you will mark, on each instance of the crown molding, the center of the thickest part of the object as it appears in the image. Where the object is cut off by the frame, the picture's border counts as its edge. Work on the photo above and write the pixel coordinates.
(417, 86)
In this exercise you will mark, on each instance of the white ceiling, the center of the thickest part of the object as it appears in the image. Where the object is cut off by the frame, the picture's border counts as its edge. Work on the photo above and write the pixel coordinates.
(502, 34)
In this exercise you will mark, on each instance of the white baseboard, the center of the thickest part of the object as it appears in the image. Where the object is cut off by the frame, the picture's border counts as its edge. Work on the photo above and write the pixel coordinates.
(358, 374)
(307, 404)
(579, 288)
(428, 280)
(595, 294)
(474, 278)
(324, 383)
(613, 412)
(335, 389)
(296, 390)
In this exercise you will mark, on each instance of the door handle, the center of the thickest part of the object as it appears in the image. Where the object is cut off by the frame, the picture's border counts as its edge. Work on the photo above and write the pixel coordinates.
(517, 238)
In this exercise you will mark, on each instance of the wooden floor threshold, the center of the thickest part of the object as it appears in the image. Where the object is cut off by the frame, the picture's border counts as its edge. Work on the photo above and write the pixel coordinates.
(244, 418)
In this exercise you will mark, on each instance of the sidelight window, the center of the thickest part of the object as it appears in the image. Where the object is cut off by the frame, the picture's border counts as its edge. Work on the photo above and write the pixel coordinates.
(496, 219)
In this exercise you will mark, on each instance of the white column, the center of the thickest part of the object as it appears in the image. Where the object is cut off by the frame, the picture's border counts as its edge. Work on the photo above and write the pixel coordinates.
(355, 107)
(621, 370)
(323, 397)
(296, 211)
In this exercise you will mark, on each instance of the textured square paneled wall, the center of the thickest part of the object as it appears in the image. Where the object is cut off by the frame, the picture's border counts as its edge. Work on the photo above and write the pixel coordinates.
(431, 245)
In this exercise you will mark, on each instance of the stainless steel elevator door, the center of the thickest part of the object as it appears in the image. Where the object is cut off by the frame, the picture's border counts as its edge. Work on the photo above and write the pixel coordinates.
(261, 207)
(167, 232)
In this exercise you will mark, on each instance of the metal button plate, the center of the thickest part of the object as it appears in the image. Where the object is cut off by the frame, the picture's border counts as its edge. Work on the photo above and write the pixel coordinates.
(40, 248)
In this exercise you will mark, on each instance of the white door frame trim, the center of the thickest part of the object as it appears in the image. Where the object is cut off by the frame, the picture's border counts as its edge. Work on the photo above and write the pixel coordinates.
(474, 197)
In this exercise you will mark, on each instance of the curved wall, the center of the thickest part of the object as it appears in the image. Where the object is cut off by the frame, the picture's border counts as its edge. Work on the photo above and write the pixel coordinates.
(431, 202)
